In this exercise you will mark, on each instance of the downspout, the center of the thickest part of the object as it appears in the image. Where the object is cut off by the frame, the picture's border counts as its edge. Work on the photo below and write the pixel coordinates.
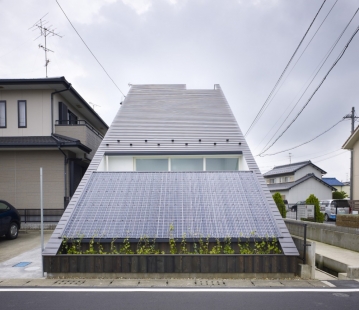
(52, 106)
(66, 160)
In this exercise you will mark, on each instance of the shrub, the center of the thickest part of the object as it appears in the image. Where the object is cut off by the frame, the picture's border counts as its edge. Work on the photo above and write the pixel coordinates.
(339, 195)
(312, 200)
(277, 197)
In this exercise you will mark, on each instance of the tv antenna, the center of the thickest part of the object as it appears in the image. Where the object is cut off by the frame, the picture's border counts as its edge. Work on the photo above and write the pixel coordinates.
(45, 30)
(94, 105)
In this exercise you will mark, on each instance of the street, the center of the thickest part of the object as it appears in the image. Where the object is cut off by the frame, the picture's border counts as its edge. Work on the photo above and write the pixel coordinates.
(156, 299)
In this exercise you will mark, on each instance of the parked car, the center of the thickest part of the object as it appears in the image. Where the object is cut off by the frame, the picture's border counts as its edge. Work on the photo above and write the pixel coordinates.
(332, 207)
(294, 207)
(10, 220)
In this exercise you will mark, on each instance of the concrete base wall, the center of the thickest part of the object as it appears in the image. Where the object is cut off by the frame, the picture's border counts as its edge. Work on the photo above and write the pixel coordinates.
(344, 237)
(306, 271)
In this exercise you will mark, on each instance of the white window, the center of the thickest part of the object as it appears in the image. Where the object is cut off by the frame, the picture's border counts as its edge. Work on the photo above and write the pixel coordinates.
(221, 164)
(186, 164)
(157, 164)
(2, 114)
(271, 181)
(22, 113)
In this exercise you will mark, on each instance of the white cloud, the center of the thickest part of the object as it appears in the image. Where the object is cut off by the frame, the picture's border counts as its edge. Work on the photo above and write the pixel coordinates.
(87, 12)
(140, 6)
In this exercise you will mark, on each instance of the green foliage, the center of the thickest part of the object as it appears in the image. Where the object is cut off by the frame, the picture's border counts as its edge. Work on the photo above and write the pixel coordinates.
(184, 245)
(172, 241)
(91, 249)
(217, 249)
(339, 195)
(203, 246)
(145, 247)
(113, 249)
(277, 197)
(227, 248)
(312, 200)
(126, 247)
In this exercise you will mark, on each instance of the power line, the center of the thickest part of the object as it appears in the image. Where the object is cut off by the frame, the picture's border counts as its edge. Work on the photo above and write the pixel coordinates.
(345, 152)
(317, 71)
(90, 50)
(295, 64)
(315, 91)
(292, 148)
(285, 69)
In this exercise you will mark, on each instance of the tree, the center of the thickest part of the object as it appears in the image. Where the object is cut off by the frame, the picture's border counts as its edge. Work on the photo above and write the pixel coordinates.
(277, 197)
(339, 195)
(312, 200)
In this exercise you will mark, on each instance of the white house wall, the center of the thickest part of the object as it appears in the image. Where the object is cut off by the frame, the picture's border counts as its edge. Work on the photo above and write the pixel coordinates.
(306, 170)
(308, 187)
(38, 110)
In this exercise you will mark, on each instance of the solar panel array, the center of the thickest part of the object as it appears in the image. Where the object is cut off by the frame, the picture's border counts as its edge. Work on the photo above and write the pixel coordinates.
(198, 204)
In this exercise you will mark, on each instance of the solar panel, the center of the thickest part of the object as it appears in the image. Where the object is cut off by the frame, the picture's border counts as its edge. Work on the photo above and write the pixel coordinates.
(198, 204)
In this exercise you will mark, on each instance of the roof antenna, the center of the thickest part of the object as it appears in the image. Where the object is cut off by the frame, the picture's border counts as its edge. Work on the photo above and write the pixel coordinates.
(45, 30)
(290, 158)
(94, 105)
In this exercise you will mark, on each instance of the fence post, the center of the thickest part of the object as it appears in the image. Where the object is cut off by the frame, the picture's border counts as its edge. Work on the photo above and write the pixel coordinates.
(305, 245)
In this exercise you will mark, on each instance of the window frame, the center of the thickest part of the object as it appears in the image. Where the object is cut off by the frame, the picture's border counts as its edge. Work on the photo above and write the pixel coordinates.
(18, 113)
(4, 102)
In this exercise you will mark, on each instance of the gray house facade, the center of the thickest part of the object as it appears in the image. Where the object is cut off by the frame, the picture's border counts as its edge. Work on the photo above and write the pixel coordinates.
(295, 182)
(44, 123)
(174, 161)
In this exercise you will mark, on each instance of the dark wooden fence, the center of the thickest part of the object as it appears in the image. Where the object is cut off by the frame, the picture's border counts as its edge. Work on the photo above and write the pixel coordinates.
(168, 263)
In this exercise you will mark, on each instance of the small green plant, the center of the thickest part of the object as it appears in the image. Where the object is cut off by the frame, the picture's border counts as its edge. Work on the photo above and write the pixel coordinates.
(64, 245)
(126, 247)
(244, 248)
(203, 245)
(113, 248)
(184, 245)
(217, 249)
(227, 248)
(91, 249)
(339, 195)
(145, 247)
(172, 241)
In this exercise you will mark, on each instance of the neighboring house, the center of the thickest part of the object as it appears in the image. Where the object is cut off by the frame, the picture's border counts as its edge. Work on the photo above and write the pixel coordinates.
(352, 143)
(339, 186)
(173, 157)
(295, 182)
(44, 123)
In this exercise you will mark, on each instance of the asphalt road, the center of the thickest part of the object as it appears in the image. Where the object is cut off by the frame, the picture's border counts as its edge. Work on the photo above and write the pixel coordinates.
(176, 299)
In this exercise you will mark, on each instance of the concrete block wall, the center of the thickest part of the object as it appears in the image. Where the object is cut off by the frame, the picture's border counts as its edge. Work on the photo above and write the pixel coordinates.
(344, 237)
(310, 256)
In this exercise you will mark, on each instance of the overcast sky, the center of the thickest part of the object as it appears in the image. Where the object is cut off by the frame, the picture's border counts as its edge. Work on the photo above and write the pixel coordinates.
(243, 45)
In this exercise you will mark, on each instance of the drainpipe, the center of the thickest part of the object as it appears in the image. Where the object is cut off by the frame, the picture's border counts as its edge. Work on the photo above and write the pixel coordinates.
(66, 160)
(52, 106)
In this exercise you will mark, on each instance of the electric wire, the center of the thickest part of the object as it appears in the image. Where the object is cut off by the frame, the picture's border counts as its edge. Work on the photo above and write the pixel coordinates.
(294, 147)
(90, 50)
(295, 64)
(317, 71)
(315, 91)
(285, 69)
(345, 152)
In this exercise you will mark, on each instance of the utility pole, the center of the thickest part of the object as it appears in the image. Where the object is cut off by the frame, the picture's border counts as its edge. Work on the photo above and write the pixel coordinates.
(352, 117)
(290, 158)
(45, 31)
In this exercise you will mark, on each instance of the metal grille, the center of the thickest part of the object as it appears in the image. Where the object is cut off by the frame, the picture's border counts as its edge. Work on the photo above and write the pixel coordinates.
(197, 204)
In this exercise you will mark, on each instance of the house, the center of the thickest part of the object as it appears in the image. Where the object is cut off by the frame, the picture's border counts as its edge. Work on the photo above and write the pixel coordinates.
(352, 144)
(174, 162)
(44, 123)
(339, 186)
(296, 181)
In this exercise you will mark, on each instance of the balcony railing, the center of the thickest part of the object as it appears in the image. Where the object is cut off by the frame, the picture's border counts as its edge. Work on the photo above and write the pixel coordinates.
(79, 122)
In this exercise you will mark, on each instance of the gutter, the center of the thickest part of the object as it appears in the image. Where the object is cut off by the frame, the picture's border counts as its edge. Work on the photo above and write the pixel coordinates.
(52, 106)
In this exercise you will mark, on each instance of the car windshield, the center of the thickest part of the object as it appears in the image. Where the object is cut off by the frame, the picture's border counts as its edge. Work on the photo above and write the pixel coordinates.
(341, 203)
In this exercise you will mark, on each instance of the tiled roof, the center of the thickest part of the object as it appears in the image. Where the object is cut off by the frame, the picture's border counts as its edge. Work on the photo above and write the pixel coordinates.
(290, 169)
(136, 204)
(41, 141)
(289, 185)
(332, 181)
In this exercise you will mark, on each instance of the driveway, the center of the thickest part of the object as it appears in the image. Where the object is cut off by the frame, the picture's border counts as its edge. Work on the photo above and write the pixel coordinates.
(26, 249)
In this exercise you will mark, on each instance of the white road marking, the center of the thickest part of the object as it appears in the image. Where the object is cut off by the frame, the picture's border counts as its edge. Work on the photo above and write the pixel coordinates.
(328, 283)
(183, 290)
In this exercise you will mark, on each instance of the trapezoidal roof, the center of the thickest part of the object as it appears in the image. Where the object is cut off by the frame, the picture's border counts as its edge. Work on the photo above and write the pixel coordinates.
(165, 120)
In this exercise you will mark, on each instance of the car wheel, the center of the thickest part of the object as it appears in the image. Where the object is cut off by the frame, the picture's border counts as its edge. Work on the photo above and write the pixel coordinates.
(13, 231)
(326, 218)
